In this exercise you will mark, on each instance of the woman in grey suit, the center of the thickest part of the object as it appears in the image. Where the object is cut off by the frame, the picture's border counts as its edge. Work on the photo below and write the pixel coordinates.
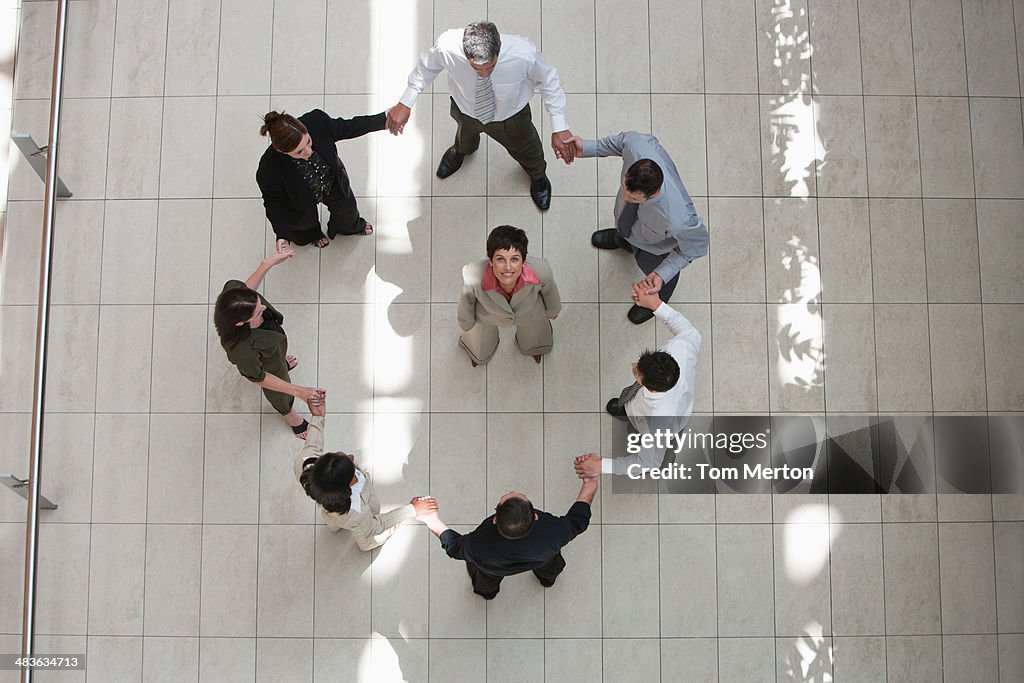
(505, 291)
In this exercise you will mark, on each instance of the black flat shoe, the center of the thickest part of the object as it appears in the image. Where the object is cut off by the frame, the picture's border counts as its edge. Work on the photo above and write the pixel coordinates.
(614, 409)
(450, 163)
(638, 315)
(605, 239)
(540, 191)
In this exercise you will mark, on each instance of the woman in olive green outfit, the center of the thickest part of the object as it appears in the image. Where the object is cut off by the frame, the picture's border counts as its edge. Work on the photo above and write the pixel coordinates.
(251, 333)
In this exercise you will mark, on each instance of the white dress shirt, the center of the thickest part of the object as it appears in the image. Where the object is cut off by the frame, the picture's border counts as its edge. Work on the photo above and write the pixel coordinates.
(521, 70)
(676, 402)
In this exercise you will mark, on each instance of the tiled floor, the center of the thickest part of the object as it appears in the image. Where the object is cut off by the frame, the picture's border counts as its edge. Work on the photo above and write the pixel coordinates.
(868, 155)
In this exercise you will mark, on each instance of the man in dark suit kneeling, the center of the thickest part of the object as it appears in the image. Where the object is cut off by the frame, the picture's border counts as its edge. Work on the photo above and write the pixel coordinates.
(515, 539)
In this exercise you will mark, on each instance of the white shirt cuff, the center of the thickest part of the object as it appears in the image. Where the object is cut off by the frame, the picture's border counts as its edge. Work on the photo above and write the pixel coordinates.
(606, 465)
(408, 98)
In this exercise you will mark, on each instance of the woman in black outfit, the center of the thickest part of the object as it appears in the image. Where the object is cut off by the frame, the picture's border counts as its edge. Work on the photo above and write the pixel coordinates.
(301, 169)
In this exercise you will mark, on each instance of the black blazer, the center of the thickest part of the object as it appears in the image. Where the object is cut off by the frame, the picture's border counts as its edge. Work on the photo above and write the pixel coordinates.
(499, 556)
(289, 202)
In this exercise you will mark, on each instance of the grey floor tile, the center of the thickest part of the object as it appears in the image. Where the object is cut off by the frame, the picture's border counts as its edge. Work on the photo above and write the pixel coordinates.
(573, 607)
(635, 659)
(911, 559)
(35, 51)
(284, 659)
(69, 484)
(71, 361)
(687, 558)
(1005, 383)
(458, 466)
(901, 342)
(731, 53)
(891, 133)
(1009, 549)
(737, 250)
(175, 456)
(246, 33)
(284, 602)
(946, 164)
(803, 609)
(227, 659)
(745, 594)
(806, 657)
(76, 279)
(84, 154)
(860, 659)
(228, 588)
(341, 586)
(399, 596)
(193, 32)
(90, 49)
(460, 660)
(740, 367)
(114, 658)
(989, 40)
(970, 658)
(849, 357)
(1000, 245)
(1011, 657)
(677, 46)
(183, 251)
(951, 251)
(630, 572)
(170, 660)
(22, 250)
(294, 35)
(746, 659)
(734, 134)
(133, 173)
(575, 61)
(116, 579)
(572, 658)
(617, 71)
(457, 611)
(173, 565)
(897, 250)
(940, 65)
(835, 33)
(913, 658)
(842, 168)
(967, 578)
(187, 146)
(997, 144)
(177, 386)
(888, 70)
(958, 358)
(845, 243)
(119, 484)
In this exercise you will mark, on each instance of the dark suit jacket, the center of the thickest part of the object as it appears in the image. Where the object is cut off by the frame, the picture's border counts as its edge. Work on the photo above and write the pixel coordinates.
(289, 202)
(499, 556)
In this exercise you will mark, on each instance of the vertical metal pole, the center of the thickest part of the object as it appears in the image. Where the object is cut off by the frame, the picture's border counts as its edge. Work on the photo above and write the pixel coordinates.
(42, 323)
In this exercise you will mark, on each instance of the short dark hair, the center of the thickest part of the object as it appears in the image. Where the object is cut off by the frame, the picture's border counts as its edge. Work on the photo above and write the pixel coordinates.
(658, 370)
(507, 237)
(514, 518)
(481, 42)
(285, 131)
(329, 481)
(232, 307)
(645, 177)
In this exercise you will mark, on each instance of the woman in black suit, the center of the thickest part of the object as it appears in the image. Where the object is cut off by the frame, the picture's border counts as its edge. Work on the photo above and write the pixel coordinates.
(301, 169)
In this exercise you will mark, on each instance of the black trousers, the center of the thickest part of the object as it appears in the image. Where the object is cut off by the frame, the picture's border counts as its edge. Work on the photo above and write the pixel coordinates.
(488, 585)
(648, 262)
(344, 215)
(517, 134)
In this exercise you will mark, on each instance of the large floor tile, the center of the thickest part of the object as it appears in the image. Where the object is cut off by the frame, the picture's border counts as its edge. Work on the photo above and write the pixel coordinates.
(989, 40)
(998, 147)
(835, 35)
(887, 70)
(940, 66)
(140, 51)
(1002, 324)
(745, 604)
(617, 70)
(957, 357)
(911, 579)
(173, 565)
(891, 133)
(1001, 245)
(951, 251)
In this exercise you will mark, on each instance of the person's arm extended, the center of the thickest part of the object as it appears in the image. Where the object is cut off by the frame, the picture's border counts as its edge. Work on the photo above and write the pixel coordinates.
(345, 129)
(275, 383)
(314, 444)
(430, 64)
(467, 307)
(610, 146)
(268, 262)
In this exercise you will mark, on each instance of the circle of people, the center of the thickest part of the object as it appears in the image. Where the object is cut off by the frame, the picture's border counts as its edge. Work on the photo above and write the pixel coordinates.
(491, 77)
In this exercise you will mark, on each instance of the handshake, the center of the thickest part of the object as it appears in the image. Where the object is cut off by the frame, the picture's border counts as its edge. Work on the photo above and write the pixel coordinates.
(588, 466)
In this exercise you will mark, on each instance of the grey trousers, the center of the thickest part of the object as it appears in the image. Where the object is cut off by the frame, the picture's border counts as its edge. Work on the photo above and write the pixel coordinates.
(482, 340)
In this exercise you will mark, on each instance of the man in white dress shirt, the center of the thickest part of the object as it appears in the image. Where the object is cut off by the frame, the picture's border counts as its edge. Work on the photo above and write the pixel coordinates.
(662, 394)
(492, 78)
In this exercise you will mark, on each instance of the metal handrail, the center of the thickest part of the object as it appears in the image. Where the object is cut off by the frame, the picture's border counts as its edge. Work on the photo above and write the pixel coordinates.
(42, 324)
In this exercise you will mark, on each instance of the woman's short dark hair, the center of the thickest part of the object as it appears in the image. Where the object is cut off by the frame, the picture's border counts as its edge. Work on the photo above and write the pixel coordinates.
(645, 177)
(507, 237)
(234, 306)
(658, 370)
(329, 481)
(514, 518)
(285, 131)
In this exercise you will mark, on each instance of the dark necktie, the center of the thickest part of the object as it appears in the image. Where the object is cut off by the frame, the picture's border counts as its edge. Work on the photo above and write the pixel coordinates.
(629, 392)
(627, 218)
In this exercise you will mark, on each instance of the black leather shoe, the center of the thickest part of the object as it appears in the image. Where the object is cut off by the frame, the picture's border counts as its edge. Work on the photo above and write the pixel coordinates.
(450, 163)
(604, 239)
(614, 409)
(540, 190)
(639, 315)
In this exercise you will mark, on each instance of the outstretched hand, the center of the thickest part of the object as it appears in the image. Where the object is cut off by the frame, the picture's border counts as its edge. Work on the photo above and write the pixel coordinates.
(651, 285)
(282, 252)
(424, 505)
(397, 117)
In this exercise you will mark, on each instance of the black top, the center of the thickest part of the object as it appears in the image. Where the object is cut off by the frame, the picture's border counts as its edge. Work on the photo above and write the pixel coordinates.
(287, 197)
(317, 175)
(499, 556)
